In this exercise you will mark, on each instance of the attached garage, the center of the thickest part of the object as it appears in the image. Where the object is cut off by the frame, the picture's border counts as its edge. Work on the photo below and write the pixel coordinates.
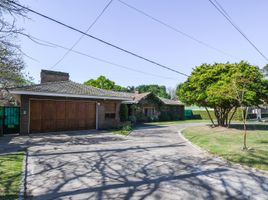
(59, 115)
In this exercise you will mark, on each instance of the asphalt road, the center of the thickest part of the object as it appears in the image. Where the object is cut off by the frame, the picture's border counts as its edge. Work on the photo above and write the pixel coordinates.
(153, 162)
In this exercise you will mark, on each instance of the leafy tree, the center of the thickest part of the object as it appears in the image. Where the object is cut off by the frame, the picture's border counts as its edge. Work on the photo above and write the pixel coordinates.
(247, 90)
(265, 70)
(213, 86)
(159, 90)
(104, 83)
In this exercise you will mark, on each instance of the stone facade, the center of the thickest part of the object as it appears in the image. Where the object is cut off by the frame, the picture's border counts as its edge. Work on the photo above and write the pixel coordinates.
(152, 108)
(104, 120)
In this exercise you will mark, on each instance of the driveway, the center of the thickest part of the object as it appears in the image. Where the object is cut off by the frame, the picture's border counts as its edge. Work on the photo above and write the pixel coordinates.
(153, 162)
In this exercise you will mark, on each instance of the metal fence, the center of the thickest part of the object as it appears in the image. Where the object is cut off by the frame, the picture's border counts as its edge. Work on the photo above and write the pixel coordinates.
(10, 119)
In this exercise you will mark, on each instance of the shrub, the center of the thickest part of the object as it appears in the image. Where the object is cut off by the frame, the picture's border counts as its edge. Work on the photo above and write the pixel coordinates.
(123, 113)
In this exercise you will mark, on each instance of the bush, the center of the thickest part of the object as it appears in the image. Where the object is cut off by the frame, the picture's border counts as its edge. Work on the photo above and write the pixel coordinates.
(202, 114)
(123, 112)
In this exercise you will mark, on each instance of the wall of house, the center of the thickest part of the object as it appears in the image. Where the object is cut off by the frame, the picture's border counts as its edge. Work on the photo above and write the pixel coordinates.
(149, 102)
(106, 111)
(173, 112)
(162, 112)
(104, 107)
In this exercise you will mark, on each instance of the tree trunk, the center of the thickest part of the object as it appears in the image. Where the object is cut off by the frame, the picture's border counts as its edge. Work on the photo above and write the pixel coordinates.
(244, 113)
(222, 116)
(230, 119)
(210, 117)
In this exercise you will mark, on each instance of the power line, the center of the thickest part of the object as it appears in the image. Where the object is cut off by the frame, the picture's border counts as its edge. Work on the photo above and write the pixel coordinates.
(226, 16)
(53, 45)
(102, 41)
(175, 29)
(80, 38)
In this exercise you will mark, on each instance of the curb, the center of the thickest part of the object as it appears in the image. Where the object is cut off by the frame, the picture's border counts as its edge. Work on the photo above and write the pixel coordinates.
(229, 163)
(23, 181)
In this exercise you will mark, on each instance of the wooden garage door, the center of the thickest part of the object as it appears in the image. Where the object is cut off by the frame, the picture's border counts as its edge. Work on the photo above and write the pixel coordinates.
(52, 115)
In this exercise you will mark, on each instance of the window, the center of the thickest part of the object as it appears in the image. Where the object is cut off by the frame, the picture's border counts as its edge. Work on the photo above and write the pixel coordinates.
(149, 111)
(110, 109)
(109, 115)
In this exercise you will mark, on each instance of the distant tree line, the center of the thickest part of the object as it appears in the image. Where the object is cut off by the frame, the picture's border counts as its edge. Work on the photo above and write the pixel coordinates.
(105, 83)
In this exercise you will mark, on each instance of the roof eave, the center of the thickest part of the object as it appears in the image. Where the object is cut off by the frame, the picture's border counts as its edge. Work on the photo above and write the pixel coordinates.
(67, 95)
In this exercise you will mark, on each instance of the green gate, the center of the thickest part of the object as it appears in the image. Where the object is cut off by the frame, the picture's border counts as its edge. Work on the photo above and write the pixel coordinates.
(188, 114)
(10, 119)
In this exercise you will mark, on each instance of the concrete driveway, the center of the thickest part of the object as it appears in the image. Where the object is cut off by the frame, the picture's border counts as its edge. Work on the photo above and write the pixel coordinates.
(154, 162)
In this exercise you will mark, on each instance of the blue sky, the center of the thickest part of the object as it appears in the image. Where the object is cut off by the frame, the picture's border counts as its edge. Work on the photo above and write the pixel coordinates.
(128, 29)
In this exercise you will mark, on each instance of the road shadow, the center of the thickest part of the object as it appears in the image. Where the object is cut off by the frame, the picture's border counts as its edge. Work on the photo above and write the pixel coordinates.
(125, 173)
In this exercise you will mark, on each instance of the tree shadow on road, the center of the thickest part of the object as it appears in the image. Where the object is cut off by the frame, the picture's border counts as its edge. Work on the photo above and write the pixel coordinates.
(126, 173)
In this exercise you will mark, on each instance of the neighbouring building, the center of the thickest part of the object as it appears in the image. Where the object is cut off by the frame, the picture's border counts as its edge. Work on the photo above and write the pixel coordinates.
(149, 107)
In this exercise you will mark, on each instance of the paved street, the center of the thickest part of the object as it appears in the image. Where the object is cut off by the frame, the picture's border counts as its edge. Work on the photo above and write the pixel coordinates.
(153, 162)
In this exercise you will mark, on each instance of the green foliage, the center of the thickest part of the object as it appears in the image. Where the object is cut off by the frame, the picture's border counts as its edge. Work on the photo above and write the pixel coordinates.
(10, 175)
(104, 83)
(202, 114)
(168, 116)
(220, 86)
(164, 116)
(265, 70)
(123, 112)
(125, 129)
(158, 90)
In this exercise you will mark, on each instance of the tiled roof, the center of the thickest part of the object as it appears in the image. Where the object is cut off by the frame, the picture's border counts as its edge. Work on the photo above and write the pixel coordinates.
(138, 97)
(169, 101)
(69, 88)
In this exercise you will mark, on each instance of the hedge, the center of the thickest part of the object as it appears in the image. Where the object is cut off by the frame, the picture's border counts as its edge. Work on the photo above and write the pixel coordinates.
(202, 114)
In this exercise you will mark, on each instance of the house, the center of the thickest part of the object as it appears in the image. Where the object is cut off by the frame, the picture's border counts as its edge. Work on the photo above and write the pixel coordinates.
(58, 104)
(149, 107)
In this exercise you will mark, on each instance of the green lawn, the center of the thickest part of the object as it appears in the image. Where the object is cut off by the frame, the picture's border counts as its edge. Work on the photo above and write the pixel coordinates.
(228, 143)
(180, 122)
(10, 175)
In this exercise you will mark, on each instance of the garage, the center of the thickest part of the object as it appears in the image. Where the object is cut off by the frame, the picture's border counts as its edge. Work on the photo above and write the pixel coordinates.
(61, 115)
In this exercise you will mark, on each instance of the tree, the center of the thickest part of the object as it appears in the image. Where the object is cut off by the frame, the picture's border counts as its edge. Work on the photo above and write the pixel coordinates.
(11, 63)
(212, 86)
(159, 90)
(246, 88)
(104, 83)
(172, 93)
(8, 30)
(265, 70)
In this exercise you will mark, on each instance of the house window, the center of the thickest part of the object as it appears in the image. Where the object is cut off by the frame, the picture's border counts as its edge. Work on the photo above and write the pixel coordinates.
(149, 111)
(109, 115)
(110, 110)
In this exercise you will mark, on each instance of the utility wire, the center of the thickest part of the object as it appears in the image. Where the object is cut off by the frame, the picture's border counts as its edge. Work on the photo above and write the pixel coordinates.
(53, 45)
(102, 41)
(175, 29)
(223, 13)
(80, 38)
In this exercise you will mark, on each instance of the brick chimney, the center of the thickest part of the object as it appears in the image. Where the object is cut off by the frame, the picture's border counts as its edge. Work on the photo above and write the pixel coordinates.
(53, 76)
